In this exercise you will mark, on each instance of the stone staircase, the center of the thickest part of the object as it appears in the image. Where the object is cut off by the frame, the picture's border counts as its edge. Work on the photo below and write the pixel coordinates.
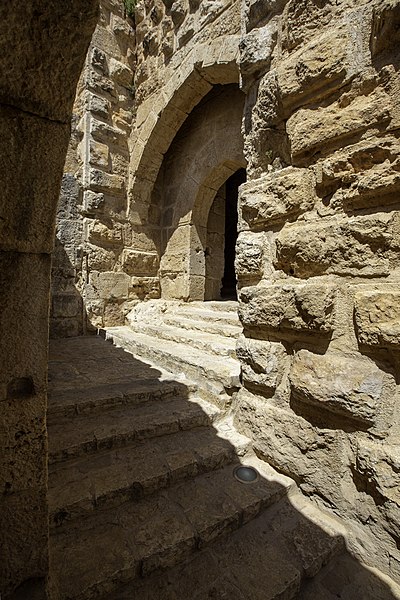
(142, 498)
(196, 340)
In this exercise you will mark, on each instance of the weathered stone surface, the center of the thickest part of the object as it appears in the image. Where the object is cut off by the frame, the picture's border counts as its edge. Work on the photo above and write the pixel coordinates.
(342, 385)
(263, 363)
(379, 465)
(363, 246)
(315, 457)
(250, 255)
(377, 316)
(385, 28)
(100, 234)
(139, 263)
(326, 63)
(365, 174)
(110, 284)
(307, 307)
(22, 194)
(256, 50)
(279, 196)
(25, 82)
(312, 131)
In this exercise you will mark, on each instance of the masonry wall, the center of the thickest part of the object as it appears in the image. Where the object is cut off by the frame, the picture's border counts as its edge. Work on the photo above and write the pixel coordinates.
(43, 46)
(89, 279)
(318, 257)
(318, 249)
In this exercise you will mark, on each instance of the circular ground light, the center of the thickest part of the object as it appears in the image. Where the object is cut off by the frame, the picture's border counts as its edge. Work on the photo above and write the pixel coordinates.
(245, 474)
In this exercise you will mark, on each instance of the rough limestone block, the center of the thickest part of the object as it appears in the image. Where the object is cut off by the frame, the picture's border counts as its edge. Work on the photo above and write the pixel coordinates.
(377, 316)
(106, 182)
(256, 50)
(280, 307)
(379, 465)
(315, 130)
(24, 364)
(110, 285)
(23, 433)
(359, 246)
(257, 11)
(144, 288)
(350, 387)
(66, 305)
(277, 197)
(249, 258)
(24, 515)
(316, 457)
(98, 155)
(363, 174)
(99, 234)
(139, 263)
(318, 68)
(120, 72)
(28, 202)
(98, 105)
(262, 363)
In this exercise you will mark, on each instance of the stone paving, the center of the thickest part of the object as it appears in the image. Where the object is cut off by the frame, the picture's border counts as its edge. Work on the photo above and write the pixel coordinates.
(143, 502)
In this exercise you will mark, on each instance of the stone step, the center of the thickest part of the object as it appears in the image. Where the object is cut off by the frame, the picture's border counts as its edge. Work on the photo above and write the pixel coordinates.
(91, 398)
(214, 375)
(93, 556)
(230, 306)
(201, 313)
(263, 560)
(109, 478)
(197, 325)
(88, 433)
(207, 342)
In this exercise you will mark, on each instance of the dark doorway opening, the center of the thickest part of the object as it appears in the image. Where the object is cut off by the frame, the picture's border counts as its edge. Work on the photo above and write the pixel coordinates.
(229, 281)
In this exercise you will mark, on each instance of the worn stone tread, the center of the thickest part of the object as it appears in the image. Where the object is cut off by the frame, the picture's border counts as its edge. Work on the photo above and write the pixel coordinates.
(92, 432)
(216, 372)
(209, 342)
(69, 402)
(112, 477)
(198, 325)
(258, 561)
(120, 545)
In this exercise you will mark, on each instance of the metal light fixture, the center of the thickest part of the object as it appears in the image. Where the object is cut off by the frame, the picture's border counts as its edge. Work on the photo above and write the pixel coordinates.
(245, 474)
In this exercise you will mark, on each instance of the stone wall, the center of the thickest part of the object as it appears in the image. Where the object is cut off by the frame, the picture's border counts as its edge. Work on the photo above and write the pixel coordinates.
(318, 249)
(318, 256)
(89, 282)
(140, 82)
(43, 46)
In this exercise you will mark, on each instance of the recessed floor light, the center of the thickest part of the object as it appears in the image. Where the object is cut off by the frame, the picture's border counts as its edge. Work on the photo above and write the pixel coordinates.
(245, 474)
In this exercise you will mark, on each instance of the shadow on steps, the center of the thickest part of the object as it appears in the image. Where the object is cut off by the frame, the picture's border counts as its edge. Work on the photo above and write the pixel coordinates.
(143, 502)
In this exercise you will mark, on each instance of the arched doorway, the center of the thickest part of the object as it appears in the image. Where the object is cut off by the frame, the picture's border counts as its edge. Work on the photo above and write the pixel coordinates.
(205, 154)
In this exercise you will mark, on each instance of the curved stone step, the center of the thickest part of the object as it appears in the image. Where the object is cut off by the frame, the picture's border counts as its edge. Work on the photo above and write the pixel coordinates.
(115, 547)
(220, 328)
(109, 478)
(207, 342)
(69, 438)
(215, 375)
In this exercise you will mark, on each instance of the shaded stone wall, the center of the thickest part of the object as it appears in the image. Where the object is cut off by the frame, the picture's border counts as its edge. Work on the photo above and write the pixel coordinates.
(43, 46)
(89, 281)
(318, 256)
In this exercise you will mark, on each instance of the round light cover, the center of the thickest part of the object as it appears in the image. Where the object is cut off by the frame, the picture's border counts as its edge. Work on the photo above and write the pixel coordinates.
(245, 474)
